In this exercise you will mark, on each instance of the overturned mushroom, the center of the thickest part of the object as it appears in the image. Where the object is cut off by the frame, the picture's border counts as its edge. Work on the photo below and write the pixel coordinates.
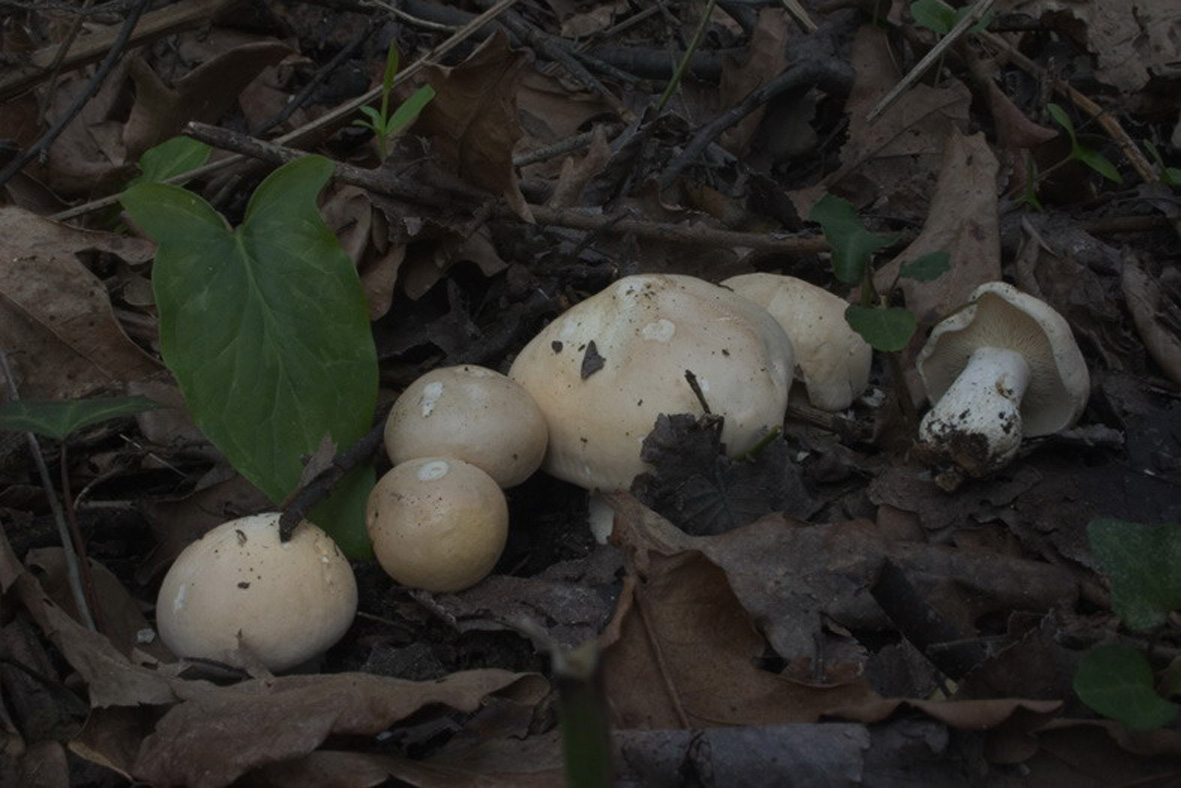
(606, 368)
(1003, 367)
(833, 360)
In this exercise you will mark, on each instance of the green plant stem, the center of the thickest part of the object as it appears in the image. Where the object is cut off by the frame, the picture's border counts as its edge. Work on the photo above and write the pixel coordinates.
(59, 518)
(85, 574)
(910, 412)
(683, 66)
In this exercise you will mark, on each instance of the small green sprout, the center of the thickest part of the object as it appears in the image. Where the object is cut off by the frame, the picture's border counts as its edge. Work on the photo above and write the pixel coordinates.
(381, 122)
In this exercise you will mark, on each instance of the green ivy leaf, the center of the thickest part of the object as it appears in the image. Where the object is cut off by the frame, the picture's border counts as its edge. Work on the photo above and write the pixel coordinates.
(1144, 564)
(934, 15)
(58, 418)
(884, 328)
(265, 327)
(926, 268)
(171, 158)
(1116, 681)
(852, 245)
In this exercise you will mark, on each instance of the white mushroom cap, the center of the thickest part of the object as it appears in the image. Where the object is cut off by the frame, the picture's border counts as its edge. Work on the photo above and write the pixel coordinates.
(600, 400)
(473, 414)
(1003, 367)
(831, 358)
(239, 588)
(438, 524)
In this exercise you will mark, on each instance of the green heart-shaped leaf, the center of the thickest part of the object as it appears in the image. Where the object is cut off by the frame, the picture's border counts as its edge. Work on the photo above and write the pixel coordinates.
(884, 328)
(265, 327)
(1116, 681)
(169, 158)
(58, 418)
(926, 268)
(852, 245)
(1144, 564)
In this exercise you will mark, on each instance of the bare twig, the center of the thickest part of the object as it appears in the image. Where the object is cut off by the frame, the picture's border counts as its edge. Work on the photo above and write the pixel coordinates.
(835, 77)
(382, 182)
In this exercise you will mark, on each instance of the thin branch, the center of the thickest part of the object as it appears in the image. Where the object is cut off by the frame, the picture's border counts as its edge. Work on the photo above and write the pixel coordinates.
(382, 182)
(832, 76)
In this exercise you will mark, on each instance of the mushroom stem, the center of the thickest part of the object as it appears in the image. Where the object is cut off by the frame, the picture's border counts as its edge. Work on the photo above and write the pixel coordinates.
(976, 425)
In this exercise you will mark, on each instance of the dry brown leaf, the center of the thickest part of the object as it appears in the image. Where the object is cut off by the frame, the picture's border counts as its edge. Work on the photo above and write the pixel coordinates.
(220, 734)
(677, 631)
(897, 156)
(1131, 39)
(1146, 302)
(767, 59)
(472, 120)
(576, 175)
(89, 155)
(570, 601)
(362, 230)
(964, 714)
(203, 94)
(121, 614)
(429, 263)
(961, 221)
(55, 316)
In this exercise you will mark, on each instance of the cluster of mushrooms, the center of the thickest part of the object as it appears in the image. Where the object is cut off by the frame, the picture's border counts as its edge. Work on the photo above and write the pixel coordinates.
(578, 401)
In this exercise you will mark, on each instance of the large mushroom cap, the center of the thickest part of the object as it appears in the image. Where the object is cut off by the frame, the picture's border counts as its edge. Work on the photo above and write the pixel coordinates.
(833, 360)
(606, 368)
(286, 601)
(999, 315)
(473, 414)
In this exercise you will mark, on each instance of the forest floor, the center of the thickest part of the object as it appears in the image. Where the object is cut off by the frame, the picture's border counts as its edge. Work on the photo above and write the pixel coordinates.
(825, 613)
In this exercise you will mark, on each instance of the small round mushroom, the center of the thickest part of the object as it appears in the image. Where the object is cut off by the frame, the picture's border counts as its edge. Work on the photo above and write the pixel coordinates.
(473, 414)
(1003, 367)
(437, 523)
(606, 368)
(238, 588)
(831, 358)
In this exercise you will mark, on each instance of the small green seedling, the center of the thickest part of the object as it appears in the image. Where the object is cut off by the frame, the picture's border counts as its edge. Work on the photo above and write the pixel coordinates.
(1169, 176)
(885, 327)
(1079, 152)
(381, 122)
(1144, 564)
(266, 330)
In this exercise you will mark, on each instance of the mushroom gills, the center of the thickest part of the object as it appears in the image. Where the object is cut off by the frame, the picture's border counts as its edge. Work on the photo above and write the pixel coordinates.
(977, 421)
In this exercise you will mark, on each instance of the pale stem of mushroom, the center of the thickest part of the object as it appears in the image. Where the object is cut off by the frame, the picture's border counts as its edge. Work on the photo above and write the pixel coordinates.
(985, 401)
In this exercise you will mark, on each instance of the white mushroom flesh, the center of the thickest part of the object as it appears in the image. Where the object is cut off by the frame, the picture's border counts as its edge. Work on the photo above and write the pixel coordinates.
(978, 419)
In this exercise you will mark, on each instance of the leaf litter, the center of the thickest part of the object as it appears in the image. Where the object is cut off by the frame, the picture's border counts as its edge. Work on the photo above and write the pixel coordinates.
(820, 611)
